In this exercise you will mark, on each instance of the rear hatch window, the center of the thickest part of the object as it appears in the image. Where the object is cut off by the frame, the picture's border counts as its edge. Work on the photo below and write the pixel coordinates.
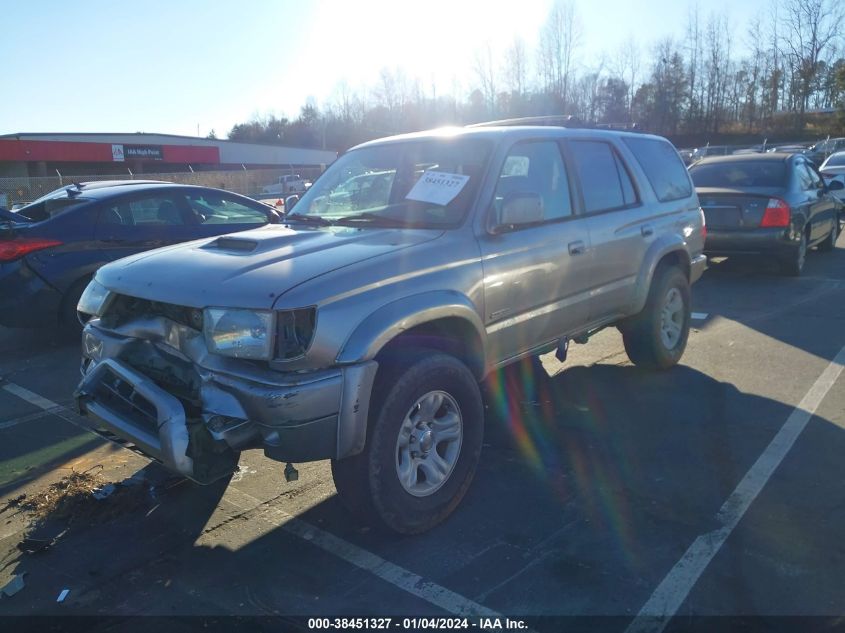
(733, 175)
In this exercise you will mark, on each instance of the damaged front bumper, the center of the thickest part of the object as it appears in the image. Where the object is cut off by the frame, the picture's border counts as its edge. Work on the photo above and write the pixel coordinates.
(152, 386)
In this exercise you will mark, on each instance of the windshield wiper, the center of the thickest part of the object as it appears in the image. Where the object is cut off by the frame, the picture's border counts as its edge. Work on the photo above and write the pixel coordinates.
(371, 218)
(307, 219)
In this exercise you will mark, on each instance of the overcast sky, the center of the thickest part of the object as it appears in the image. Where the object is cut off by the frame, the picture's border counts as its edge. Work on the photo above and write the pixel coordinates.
(179, 66)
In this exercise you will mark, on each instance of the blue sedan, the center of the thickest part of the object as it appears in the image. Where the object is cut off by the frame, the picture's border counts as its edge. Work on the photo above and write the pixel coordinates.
(50, 249)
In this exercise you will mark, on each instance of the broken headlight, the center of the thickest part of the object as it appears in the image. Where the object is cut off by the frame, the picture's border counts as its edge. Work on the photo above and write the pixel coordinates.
(239, 333)
(94, 299)
(294, 331)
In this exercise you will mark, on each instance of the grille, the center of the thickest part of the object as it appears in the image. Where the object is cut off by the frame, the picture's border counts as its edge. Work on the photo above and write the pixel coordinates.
(124, 308)
(120, 396)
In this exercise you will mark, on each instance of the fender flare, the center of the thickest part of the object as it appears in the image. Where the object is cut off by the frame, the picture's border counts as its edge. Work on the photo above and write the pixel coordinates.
(661, 247)
(396, 317)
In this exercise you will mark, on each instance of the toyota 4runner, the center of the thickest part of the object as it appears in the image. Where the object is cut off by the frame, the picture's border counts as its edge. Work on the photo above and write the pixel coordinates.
(359, 330)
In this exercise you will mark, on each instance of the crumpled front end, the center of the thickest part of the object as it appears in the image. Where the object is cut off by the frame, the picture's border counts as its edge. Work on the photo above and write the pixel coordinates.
(151, 385)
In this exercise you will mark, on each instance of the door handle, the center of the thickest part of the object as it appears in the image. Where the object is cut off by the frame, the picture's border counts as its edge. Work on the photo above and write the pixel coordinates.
(577, 248)
(647, 230)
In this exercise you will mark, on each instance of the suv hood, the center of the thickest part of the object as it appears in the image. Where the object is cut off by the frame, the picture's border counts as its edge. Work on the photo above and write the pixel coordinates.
(253, 268)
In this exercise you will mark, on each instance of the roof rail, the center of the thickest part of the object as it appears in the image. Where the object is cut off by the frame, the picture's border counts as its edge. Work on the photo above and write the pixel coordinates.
(559, 120)
(554, 120)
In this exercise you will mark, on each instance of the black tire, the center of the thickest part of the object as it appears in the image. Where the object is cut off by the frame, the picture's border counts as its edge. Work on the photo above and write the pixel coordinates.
(793, 264)
(830, 241)
(68, 322)
(368, 484)
(643, 336)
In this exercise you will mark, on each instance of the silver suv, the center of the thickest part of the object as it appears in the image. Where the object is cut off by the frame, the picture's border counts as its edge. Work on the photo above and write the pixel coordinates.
(359, 330)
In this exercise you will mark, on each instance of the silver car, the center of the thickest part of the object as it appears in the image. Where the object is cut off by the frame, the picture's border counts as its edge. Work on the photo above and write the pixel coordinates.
(359, 330)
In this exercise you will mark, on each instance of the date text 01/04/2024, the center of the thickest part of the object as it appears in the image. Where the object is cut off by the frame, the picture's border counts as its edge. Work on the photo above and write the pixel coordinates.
(413, 624)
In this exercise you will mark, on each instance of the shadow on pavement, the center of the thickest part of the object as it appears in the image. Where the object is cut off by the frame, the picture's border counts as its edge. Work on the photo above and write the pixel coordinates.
(592, 484)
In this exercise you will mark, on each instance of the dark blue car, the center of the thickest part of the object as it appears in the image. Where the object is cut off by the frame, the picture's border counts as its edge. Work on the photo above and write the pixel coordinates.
(50, 248)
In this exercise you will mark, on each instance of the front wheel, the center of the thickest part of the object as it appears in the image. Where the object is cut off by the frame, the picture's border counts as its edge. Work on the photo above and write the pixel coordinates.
(657, 337)
(423, 444)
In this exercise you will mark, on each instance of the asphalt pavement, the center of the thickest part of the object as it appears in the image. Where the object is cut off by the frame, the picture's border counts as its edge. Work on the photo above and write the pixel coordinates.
(712, 489)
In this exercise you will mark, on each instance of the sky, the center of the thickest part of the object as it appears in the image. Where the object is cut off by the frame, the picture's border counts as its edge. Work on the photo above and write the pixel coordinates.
(190, 66)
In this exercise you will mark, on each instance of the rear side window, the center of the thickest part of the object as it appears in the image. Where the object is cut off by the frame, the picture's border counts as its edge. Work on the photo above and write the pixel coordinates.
(605, 182)
(213, 208)
(663, 168)
(764, 173)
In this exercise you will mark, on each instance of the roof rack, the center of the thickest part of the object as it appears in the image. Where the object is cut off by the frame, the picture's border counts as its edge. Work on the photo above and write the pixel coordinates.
(558, 120)
(554, 120)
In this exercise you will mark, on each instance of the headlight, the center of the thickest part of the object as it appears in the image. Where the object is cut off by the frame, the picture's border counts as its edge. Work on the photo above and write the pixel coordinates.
(295, 329)
(94, 300)
(239, 333)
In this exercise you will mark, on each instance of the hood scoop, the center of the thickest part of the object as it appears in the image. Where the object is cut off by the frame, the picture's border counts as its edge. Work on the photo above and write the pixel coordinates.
(236, 244)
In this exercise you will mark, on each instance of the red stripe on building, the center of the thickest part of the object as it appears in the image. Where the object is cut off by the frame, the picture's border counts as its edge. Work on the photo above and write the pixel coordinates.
(191, 154)
(74, 152)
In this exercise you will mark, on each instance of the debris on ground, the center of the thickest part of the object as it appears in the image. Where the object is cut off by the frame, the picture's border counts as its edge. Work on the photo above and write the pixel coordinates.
(13, 586)
(102, 493)
(63, 595)
(81, 496)
(13, 504)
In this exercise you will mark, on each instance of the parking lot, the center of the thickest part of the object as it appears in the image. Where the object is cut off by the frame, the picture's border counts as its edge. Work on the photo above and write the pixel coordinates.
(603, 490)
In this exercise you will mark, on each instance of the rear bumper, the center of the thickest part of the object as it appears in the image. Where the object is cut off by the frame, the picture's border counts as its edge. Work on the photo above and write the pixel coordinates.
(26, 300)
(775, 241)
(199, 432)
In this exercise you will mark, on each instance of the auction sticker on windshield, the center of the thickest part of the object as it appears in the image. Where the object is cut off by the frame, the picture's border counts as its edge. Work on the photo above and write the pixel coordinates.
(437, 187)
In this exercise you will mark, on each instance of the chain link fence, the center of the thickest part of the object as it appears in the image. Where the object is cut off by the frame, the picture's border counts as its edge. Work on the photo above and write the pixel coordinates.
(17, 190)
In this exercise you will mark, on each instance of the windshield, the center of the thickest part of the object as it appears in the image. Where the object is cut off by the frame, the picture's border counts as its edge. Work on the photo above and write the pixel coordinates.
(426, 184)
(739, 174)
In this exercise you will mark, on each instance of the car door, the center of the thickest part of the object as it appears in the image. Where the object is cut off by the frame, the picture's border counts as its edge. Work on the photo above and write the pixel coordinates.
(141, 221)
(535, 276)
(620, 228)
(820, 206)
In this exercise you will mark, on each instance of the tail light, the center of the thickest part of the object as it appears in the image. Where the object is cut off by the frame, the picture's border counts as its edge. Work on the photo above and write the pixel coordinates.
(776, 215)
(10, 250)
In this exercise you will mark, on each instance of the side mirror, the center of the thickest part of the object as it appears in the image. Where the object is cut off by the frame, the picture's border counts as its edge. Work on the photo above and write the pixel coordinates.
(521, 208)
(835, 185)
(290, 202)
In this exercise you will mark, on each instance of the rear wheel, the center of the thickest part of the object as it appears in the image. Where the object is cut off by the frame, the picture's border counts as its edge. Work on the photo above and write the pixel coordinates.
(793, 265)
(423, 444)
(830, 241)
(657, 337)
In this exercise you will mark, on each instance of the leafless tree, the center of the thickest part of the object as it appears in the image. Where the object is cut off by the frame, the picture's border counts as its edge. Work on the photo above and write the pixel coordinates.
(485, 72)
(516, 67)
(627, 68)
(559, 39)
(811, 30)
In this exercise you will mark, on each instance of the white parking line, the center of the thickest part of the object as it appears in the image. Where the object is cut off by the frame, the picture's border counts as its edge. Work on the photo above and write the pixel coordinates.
(30, 396)
(8, 424)
(397, 576)
(676, 586)
(431, 592)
